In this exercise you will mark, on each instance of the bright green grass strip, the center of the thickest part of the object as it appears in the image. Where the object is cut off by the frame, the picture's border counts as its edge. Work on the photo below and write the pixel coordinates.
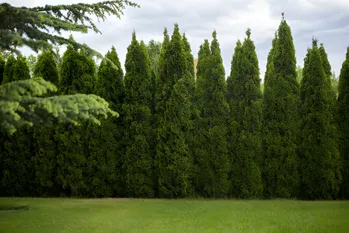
(136, 215)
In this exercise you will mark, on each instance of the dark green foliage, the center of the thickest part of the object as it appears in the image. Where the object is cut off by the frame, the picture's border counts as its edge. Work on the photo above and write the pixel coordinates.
(15, 159)
(212, 155)
(188, 56)
(2, 68)
(161, 88)
(247, 116)
(172, 160)
(8, 70)
(343, 124)
(232, 80)
(190, 86)
(36, 23)
(110, 80)
(21, 69)
(104, 163)
(77, 73)
(319, 157)
(281, 118)
(44, 159)
(138, 164)
(46, 67)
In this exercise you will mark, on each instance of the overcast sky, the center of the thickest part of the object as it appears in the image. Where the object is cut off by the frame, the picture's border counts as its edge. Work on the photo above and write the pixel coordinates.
(327, 20)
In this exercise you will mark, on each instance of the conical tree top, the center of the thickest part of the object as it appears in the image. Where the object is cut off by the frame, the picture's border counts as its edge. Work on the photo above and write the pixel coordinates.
(315, 42)
(238, 44)
(175, 31)
(186, 43)
(214, 34)
(248, 33)
(134, 35)
(165, 33)
(215, 43)
(325, 62)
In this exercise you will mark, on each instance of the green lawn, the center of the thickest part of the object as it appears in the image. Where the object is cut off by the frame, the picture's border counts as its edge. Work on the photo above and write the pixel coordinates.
(137, 215)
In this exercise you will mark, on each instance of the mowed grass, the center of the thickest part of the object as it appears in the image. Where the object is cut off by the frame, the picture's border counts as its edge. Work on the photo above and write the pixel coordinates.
(138, 215)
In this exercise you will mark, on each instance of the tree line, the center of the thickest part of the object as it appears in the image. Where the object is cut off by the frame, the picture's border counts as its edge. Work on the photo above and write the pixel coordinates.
(185, 134)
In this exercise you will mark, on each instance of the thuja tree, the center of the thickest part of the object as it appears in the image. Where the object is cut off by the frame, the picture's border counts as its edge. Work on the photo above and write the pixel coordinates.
(343, 124)
(319, 156)
(77, 76)
(104, 163)
(212, 157)
(281, 118)
(46, 67)
(21, 69)
(247, 113)
(8, 69)
(200, 163)
(233, 95)
(45, 156)
(138, 164)
(190, 86)
(327, 69)
(161, 93)
(172, 160)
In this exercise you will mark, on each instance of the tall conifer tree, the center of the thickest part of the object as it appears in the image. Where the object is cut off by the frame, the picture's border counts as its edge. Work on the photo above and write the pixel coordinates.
(45, 156)
(246, 104)
(77, 76)
(160, 92)
(46, 67)
(212, 156)
(281, 118)
(319, 156)
(105, 146)
(343, 124)
(138, 164)
(173, 162)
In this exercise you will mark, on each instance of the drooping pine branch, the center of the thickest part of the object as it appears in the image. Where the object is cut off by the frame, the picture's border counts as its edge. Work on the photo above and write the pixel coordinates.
(33, 27)
(21, 104)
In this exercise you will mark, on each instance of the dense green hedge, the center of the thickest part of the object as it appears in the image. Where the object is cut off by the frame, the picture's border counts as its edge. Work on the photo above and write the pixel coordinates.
(182, 134)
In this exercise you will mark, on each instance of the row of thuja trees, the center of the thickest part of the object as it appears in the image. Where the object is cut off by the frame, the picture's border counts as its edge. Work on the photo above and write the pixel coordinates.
(185, 135)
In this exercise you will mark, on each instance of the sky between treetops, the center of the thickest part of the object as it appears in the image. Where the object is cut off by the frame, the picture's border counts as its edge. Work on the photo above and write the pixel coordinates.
(326, 20)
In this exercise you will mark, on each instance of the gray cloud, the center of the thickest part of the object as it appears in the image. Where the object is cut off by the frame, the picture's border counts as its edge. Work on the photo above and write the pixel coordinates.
(326, 20)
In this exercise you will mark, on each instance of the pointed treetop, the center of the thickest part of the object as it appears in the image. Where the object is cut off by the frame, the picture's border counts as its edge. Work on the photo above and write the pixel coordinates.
(315, 42)
(214, 34)
(166, 36)
(347, 57)
(283, 15)
(248, 33)
(186, 43)
(134, 35)
(238, 44)
(176, 28)
(184, 37)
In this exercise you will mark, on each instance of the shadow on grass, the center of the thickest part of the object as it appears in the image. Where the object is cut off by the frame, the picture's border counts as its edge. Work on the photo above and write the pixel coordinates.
(12, 207)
